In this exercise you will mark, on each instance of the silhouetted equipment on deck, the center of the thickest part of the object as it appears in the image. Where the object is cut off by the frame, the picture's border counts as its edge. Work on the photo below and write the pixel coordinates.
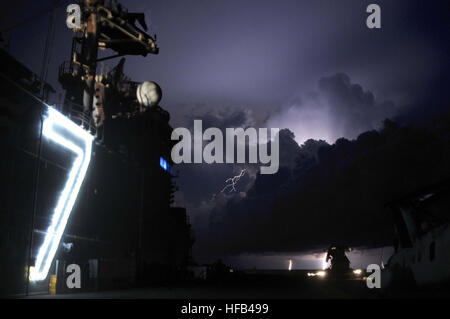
(339, 261)
(422, 224)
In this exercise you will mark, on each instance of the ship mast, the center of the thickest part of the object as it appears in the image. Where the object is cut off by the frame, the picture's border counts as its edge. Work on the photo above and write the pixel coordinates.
(102, 26)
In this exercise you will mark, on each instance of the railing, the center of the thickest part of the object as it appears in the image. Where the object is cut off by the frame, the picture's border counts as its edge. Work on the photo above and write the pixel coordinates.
(76, 113)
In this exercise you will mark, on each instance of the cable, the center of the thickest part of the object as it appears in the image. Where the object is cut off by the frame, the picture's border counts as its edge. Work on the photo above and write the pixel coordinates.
(48, 40)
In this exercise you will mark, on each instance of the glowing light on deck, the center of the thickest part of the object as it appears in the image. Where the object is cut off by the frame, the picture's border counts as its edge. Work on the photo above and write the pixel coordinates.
(61, 130)
(357, 271)
(319, 273)
(290, 264)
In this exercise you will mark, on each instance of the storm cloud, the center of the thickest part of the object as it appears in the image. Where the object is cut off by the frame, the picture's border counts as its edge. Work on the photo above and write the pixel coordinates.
(339, 108)
(335, 194)
(343, 177)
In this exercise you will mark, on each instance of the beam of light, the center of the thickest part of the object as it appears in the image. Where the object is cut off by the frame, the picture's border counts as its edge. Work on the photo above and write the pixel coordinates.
(232, 181)
(290, 264)
(61, 130)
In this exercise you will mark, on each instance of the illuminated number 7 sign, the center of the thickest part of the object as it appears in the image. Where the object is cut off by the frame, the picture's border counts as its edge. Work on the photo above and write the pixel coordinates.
(69, 135)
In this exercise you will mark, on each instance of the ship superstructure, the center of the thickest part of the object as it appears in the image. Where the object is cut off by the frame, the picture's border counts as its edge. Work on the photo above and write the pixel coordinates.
(122, 230)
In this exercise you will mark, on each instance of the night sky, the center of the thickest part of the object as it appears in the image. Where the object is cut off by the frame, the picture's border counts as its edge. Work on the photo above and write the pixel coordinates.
(312, 67)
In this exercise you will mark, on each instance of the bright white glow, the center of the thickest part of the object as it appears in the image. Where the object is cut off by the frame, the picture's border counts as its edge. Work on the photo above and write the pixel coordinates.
(290, 264)
(321, 273)
(324, 262)
(357, 271)
(61, 130)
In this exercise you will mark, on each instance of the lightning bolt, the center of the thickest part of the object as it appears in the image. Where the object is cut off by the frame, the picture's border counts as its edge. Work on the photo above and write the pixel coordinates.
(232, 181)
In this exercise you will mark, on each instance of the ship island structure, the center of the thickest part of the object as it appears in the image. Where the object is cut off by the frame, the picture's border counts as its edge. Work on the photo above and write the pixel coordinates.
(89, 181)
